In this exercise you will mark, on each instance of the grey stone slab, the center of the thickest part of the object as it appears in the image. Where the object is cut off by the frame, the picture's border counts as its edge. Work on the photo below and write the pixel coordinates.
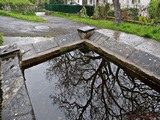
(10, 67)
(44, 45)
(86, 29)
(152, 47)
(120, 49)
(102, 39)
(27, 51)
(19, 107)
(12, 78)
(94, 36)
(157, 72)
(146, 61)
(24, 40)
(24, 117)
(67, 39)
(130, 39)
(126, 38)
(7, 48)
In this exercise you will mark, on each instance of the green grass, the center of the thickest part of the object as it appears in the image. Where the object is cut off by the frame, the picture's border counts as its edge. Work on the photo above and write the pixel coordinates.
(32, 18)
(16, 1)
(140, 30)
(1, 39)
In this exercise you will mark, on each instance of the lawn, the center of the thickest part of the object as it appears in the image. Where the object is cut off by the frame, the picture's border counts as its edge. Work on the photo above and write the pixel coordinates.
(140, 30)
(32, 18)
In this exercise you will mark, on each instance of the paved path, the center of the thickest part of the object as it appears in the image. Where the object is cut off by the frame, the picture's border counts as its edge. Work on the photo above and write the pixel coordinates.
(55, 26)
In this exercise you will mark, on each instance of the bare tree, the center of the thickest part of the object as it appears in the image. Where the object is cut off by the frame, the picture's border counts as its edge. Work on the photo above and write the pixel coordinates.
(117, 11)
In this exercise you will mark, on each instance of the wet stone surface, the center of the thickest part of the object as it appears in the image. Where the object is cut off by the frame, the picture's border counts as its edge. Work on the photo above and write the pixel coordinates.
(57, 26)
(19, 107)
(20, 41)
(95, 37)
(120, 49)
(42, 28)
(146, 61)
(137, 42)
(27, 50)
(152, 47)
(7, 49)
(16, 101)
(67, 39)
(129, 39)
(44, 45)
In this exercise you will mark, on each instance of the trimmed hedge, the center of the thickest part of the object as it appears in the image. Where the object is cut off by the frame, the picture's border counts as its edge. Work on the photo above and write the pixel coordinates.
(69, 8)
(63, 8)
(89, 10)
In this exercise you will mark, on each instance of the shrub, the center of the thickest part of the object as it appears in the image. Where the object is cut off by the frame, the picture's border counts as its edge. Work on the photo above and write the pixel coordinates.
(89, 10)
(111, 13)
(56, 1)
(1, 6)
(22, 8)
(1, 39)
(18, 6)
(103, 10)
(133, 13)
(153, 8)
(142, 19)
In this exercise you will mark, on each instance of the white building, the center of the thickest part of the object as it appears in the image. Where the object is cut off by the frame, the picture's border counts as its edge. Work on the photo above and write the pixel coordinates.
(140, 4)
(123, 3)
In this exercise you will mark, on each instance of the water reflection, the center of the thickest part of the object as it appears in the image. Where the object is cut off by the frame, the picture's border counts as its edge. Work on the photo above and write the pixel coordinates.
(92, 88)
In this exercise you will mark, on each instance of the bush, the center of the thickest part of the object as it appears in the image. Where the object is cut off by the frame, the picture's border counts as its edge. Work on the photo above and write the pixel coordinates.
(142, 19)
(56, 2)
(1, 6)
(153, 8)
(133, 13)
(111, 13)
(103, 10)
(63, 8)
(1, 39)
(89, 10)
(24, 8)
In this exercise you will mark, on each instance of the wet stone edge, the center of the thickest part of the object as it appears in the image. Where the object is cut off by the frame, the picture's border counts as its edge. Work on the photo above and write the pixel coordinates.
(1, 93)
(12, 80)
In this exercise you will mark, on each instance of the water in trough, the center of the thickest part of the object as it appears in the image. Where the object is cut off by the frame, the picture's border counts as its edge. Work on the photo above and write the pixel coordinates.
(85, 86)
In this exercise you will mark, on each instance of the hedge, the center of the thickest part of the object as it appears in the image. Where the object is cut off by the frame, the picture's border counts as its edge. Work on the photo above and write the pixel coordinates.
(69, 8)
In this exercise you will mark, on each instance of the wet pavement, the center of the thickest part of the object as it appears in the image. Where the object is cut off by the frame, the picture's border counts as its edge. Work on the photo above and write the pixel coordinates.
(53, 27)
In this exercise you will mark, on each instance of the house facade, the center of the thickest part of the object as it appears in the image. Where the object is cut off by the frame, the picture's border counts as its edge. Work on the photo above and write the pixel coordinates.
(140, 4)
(123, 3)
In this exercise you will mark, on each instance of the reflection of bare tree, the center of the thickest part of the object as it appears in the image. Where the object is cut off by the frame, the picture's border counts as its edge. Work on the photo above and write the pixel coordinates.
(91, 88)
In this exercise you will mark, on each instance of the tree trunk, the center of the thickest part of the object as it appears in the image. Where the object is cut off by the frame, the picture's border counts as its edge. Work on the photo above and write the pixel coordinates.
(117, 11)
(65, 1)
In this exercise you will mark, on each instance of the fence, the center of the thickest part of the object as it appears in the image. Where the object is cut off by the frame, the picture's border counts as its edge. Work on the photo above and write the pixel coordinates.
(69, 8)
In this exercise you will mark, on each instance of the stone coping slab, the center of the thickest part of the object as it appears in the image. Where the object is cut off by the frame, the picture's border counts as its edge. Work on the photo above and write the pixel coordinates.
(16, 104)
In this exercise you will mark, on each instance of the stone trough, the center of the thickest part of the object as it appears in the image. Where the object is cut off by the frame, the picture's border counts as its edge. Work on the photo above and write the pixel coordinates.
(128, 54)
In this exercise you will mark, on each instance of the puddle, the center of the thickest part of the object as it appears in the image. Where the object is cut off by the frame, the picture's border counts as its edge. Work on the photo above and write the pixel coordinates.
(78, 86)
